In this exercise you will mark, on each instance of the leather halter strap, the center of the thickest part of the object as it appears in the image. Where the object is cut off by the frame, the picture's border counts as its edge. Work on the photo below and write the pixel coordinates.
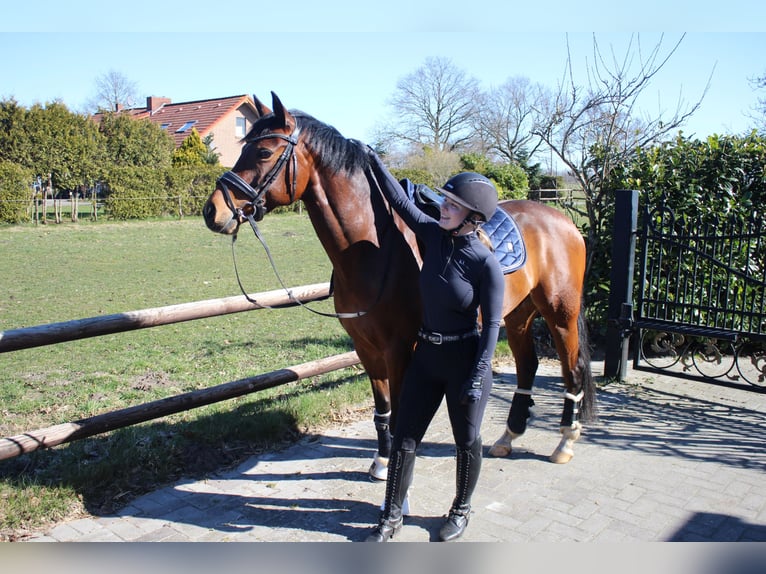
(255, 195)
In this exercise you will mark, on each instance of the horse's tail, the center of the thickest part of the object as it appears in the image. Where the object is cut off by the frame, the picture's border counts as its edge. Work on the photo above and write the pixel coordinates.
(588, 406)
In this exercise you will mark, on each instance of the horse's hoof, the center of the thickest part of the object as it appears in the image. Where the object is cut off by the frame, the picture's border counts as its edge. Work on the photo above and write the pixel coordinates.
(379, 468)
(561, 456)
(500, 449)
(564, 452)
(502, 446)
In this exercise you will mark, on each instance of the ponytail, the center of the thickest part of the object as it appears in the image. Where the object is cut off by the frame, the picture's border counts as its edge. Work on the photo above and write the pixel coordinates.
(484, 238)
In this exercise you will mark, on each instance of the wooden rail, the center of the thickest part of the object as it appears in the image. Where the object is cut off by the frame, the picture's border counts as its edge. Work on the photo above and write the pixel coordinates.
(26, 338)
(67, 432)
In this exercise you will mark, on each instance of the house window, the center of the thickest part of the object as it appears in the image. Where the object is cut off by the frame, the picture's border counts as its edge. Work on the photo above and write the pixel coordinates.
(186, 126)
(165, 126)
(241, 128)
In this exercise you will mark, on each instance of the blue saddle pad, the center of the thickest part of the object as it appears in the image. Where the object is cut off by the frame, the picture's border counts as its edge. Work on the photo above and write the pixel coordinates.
(501, 228)
(507, 240)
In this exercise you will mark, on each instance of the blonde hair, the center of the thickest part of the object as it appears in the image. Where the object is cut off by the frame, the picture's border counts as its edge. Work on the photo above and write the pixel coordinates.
(484, 238)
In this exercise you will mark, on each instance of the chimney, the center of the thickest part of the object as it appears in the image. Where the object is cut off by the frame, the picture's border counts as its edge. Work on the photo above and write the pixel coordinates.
(153, 103)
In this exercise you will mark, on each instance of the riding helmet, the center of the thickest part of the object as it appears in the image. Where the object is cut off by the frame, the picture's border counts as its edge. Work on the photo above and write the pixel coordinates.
(472, 190)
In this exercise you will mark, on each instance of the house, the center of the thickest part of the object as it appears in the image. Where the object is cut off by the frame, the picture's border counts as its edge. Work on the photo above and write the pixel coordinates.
(227, 119)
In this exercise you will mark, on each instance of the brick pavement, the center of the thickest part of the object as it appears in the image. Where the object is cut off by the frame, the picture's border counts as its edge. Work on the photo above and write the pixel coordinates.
(669, 459)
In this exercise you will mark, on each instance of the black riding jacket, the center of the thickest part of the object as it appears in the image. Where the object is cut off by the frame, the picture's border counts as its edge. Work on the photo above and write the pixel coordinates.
(459, 276)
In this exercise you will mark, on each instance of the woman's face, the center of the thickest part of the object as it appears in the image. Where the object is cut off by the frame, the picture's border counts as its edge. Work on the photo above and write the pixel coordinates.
(452, 214)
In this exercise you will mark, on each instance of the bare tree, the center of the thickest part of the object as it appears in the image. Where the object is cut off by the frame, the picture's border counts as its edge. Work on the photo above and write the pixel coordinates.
(596, 126)
(114, 91)
(434, 106)
(505, 119)
(759, 111)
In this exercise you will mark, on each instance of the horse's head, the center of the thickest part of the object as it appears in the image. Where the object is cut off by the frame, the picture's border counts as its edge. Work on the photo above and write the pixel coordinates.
(267, 174)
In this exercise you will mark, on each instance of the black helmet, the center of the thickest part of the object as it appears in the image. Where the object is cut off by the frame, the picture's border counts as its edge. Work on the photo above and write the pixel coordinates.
(472, 190)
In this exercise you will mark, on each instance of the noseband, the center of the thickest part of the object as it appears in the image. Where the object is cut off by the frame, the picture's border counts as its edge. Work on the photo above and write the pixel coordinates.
(255, 195)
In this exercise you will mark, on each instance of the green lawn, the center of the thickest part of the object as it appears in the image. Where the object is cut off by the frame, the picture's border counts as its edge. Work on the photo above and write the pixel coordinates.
(52, 273)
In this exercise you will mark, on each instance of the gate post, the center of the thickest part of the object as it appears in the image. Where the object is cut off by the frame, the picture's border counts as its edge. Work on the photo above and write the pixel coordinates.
(621, 283)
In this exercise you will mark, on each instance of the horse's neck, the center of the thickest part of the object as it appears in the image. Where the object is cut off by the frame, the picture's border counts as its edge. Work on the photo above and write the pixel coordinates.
(342, 215)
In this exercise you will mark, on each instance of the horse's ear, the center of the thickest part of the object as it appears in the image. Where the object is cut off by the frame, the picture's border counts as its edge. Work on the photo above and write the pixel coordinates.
(285, 118)
(260, 107)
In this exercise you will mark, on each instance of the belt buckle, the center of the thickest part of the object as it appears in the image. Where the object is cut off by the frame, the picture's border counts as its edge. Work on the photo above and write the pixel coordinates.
(435, 338)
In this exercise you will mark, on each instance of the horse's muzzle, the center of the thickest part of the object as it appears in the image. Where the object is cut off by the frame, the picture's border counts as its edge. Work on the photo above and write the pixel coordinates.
(223, 222)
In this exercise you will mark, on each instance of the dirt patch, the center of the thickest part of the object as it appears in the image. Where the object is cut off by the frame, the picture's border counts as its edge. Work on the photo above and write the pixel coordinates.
(152, 380)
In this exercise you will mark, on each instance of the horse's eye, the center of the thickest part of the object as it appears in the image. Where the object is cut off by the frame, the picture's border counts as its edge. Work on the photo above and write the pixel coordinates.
(263, 153)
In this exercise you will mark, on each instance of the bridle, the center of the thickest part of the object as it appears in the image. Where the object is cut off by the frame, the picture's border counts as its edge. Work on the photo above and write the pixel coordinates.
(255, 195)
(257, 211)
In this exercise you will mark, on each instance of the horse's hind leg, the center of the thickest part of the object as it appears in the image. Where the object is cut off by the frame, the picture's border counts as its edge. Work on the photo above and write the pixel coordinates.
(572, 346)
(518, 327)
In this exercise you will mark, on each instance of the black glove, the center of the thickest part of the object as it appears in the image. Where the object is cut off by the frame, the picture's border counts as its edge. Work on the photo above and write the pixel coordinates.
(471, 392)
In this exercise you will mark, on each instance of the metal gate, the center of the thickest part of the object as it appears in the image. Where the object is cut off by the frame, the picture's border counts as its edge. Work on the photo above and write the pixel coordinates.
(700, 300)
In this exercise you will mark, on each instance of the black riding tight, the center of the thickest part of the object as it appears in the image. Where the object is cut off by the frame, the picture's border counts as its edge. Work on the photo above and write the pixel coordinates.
(438, 371)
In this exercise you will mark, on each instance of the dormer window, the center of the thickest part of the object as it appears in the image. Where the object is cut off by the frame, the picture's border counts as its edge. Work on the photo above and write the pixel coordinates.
(240, 130)
(187, 126)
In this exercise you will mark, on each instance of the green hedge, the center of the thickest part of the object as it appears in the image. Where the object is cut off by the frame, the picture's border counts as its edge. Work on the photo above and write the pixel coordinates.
(15, 192)
(135, 192)
(139, 192)
(192, 185)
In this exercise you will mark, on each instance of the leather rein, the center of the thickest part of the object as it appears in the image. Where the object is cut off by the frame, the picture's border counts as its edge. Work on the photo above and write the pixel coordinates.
(257, 210)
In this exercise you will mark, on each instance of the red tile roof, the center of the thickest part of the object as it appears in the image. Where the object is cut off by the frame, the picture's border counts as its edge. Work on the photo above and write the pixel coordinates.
(204, 113)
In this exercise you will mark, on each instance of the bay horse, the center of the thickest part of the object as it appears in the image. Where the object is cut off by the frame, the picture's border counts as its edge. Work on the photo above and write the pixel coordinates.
(290, 156)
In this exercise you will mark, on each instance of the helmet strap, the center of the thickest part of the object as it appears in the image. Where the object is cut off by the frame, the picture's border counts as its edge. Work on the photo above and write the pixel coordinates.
(469, 219)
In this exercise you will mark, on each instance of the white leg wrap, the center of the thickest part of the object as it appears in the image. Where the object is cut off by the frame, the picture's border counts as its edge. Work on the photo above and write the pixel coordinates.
(379, 468)
(576, 398)
(564, 451)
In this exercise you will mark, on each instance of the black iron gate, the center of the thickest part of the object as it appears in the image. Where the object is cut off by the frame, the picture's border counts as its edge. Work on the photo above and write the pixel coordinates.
(700, 301)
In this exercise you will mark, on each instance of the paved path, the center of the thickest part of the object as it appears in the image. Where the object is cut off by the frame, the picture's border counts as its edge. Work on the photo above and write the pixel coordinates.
(668, 460)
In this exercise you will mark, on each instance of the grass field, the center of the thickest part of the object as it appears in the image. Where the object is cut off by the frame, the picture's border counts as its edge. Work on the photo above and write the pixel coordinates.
(53, 273)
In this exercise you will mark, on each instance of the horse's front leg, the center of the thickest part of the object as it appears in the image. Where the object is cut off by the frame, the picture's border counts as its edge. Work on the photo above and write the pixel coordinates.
(382, 419)
(572, 343)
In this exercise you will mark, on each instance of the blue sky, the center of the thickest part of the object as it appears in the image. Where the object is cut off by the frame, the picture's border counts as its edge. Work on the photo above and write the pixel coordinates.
(345, 73)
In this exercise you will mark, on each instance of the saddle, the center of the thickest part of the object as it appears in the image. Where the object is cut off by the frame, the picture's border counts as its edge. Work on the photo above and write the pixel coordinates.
(502, 229)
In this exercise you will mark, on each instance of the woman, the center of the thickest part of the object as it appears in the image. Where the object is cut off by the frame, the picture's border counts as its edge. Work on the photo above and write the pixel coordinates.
(453, 357)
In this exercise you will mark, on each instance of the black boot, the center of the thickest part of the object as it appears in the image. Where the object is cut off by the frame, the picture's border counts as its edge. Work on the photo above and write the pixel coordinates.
(467, 475)
(400, 470)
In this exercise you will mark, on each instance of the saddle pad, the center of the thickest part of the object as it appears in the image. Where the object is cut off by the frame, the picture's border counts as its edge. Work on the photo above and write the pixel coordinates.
(507, 240)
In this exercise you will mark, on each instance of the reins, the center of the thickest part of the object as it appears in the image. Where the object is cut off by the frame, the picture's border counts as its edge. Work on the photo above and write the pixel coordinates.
(258, 211)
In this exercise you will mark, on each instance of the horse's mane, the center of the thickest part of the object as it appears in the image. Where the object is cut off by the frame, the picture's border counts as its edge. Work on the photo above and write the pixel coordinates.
(334, 151)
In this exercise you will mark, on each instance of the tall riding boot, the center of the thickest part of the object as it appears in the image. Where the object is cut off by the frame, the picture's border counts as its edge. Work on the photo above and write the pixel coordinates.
(467, 475)
(400, 471)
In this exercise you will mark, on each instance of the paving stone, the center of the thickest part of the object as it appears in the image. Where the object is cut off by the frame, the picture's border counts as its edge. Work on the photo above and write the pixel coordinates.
(668, 460)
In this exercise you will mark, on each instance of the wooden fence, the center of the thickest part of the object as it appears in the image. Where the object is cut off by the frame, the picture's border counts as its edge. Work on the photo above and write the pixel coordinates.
(53, 333)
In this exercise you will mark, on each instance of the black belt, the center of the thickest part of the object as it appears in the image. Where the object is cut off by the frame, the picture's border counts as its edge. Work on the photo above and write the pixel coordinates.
(438, 338)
